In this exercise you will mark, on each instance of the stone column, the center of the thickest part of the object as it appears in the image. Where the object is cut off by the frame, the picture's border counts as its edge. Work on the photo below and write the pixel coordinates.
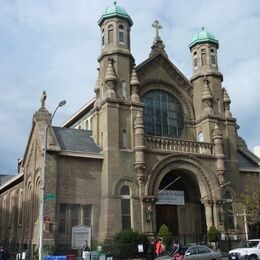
(217, 209)
(139, 160)
(208, 204)
(219, 152)
(207, 99)
(134, 83)
(110, 80)
(226, 102)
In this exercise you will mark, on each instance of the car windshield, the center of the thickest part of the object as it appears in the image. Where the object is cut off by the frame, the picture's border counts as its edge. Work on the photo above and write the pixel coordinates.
(250, 244)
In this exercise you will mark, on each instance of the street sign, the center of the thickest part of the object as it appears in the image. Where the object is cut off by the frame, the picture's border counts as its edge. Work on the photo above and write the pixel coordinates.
(50, 196)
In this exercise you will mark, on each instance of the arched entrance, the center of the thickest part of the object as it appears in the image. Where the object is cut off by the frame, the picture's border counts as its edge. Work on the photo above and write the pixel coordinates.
(179, 206)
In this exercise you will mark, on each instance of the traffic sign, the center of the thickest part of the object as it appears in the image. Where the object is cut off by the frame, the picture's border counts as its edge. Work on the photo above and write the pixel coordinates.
(50, 196)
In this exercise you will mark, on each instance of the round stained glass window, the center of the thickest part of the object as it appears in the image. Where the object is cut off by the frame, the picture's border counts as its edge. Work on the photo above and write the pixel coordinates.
(163, 115)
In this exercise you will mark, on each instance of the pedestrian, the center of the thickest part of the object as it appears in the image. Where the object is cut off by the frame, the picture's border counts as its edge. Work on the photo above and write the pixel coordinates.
(86, 251)
(3, 254)
(158, 248)
(151, 250)
(178, 252)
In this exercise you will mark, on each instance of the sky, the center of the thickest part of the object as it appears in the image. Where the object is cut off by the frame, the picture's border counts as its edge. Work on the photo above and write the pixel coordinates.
(53, 45)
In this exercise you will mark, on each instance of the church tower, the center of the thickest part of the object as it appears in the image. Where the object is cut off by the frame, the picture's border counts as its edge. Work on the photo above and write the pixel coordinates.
(113, 87)
(115, 25)
(211, 102)
(114, 113)
(206, 81)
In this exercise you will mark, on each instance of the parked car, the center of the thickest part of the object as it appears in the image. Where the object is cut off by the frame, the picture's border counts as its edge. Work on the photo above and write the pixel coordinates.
(249, 250)
(197, 252)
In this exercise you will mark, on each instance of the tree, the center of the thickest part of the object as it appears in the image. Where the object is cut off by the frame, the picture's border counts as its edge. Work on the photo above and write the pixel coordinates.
(249, 203)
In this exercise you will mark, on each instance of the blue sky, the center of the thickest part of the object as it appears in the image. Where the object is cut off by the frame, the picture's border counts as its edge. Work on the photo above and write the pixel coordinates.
(53, 45)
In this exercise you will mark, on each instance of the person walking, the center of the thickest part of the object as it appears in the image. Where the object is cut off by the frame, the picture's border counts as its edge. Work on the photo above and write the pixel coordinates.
(177, 253)
(86, 251)
(3, 254)
(151, 250)
(158, 248)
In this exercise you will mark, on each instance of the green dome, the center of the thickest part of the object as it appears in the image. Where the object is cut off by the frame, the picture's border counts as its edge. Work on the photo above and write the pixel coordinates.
(115, 11)
(203, 36)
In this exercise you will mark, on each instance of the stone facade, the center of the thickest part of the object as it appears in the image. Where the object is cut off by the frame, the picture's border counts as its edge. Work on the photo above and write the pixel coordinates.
(108, 164)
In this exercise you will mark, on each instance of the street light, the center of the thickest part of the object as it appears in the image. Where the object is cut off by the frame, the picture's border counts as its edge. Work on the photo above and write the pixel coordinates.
(62, 103)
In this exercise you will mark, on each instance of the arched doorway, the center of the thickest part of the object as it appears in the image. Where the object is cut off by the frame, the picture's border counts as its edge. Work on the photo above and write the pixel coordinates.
(179, 206)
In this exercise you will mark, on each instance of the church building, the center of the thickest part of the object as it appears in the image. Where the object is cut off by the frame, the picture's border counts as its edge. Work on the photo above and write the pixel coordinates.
(152, 147)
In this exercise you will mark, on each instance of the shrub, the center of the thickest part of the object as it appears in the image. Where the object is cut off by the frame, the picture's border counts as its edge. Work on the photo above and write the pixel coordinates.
(213, 234)
(125, 244)
(165, 234)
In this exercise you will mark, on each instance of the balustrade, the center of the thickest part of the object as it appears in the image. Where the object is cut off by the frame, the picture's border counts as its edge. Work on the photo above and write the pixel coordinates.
(178, 145)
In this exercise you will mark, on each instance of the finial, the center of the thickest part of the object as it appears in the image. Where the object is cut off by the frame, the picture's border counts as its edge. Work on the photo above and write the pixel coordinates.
(115, 2)
(157, 27)
(206, 81)
(202, 28)
(43, 98)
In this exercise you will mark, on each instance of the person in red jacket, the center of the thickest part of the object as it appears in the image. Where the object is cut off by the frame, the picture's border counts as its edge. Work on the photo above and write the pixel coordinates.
(158, 248)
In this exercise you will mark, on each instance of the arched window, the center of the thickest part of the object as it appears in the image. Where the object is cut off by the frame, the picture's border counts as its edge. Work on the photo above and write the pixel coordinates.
(228, 210)
(195, 60)
(203, 57)
(213, 57)
(200, 137)
(28, 206)
(125, 207)
(110, 33)
(121, 34)
(163, 115)
(128, 39)
(86, 125)
(123, 86)
(20, 207)
(101, 140)
(218, 106)
(103, 37)
(37, 198)
(124, 139)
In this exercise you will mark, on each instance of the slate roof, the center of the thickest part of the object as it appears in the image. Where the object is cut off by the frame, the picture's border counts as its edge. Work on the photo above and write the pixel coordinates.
(245, 161)
(76, 140)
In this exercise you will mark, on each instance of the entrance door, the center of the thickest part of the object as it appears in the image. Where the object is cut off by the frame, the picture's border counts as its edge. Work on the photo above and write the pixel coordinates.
(167, 214)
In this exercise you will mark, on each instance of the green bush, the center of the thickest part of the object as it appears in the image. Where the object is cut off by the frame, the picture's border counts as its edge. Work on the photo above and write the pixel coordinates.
(165, 234)
(213, 234)
(125, 244)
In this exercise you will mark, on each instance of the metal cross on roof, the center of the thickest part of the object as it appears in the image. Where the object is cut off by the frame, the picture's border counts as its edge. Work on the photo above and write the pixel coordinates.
(157, 27)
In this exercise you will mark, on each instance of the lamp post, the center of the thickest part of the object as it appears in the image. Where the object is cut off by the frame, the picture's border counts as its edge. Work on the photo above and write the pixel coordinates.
(244, 215)
(41, 217)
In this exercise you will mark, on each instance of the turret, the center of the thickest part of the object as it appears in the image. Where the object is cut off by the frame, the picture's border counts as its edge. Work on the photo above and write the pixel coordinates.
(203, 49)
(204, 52)
(115, 25)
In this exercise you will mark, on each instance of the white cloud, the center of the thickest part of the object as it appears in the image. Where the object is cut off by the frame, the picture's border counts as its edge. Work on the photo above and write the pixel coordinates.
(53, 45)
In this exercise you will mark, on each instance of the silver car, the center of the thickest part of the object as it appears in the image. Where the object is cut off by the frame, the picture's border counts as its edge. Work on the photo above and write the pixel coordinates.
(199, 252)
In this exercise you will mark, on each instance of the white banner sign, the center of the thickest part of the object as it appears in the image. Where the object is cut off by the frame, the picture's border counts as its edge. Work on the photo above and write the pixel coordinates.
(171, 197)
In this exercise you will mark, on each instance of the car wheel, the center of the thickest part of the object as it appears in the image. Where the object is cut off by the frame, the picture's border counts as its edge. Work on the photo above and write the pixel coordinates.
(253, 257)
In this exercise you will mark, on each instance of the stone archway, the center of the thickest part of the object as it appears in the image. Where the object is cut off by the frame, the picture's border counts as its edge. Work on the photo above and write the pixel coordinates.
(184, 214)
(197, 181)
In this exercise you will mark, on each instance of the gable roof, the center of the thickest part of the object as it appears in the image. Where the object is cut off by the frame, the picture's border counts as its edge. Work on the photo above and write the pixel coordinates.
(76, 140)
(246, 158)
(174, 72)
(86, 108)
